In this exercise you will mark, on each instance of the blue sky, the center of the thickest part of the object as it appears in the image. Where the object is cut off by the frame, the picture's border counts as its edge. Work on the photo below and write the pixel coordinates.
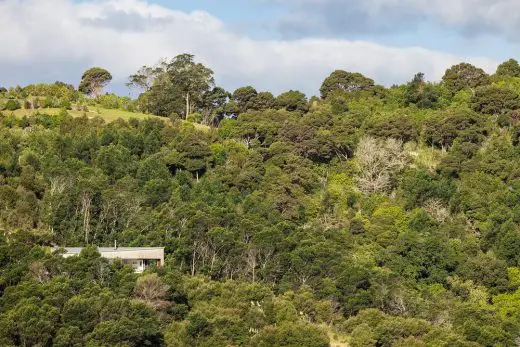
(271, 44)
(261, 19)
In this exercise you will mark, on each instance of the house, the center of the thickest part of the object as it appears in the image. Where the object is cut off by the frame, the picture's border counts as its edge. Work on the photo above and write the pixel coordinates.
(137, 257)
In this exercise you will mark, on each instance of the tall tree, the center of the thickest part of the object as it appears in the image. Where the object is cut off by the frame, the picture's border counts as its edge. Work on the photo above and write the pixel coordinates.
(94, 80)
(345, 81)
(193, 79)
(145, 77)
(168, 81)
(464, 75)
(244, 98)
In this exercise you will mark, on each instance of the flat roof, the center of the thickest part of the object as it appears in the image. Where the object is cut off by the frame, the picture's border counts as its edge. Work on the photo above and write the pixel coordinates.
(74, 250)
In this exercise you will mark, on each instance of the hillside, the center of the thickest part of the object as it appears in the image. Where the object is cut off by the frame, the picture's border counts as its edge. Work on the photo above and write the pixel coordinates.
(109, 115)
(367, 216)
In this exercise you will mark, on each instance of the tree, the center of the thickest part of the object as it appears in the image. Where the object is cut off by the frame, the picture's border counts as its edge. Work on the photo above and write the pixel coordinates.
(194, 153)
(214, 106)
(164, 98)
(420, 93)
(151, 289)
(193, 79)
(495, 100)
(94, 80)
(168, 83)
(378, 162)
(509, 68)
(443, 129)
(264, 101)
(145, 77)
(12, 105)
(293, 100)
(244, 98)
(345, 81)
(464, 75)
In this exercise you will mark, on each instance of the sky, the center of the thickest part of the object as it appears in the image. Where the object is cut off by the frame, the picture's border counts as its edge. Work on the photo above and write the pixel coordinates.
(274, 45)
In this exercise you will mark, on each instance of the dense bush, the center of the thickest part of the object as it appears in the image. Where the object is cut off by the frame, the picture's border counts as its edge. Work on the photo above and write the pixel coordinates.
(368, 217)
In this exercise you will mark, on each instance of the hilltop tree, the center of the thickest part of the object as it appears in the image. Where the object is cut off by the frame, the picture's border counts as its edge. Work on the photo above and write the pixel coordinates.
(264, 101)
(214, 106)
(94, 80)
(509, 68)
(193, 79)
(145, 77)
(421, 93)
(182, 77)
(244, 98)
(464, 75)
(345, 81)
(163, 98)
(293, 100)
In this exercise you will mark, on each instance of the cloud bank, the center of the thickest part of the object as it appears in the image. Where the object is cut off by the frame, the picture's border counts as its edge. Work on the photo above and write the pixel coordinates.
(58, 39)
(471, 17)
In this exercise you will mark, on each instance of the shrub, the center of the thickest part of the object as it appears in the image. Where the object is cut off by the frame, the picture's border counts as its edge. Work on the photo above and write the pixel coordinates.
(12, 105)
(194, 117)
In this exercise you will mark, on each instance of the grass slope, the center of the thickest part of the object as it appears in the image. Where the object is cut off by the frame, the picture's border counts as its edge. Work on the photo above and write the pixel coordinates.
(109, 115)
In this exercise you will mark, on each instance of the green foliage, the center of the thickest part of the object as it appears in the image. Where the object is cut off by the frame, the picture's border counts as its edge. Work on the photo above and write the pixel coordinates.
(494, 100)
(348, 82)
(367, 217)
(420, 93)
(292, 100)
(12, 105)
(509, 68)
(93, 81)
(463, 76)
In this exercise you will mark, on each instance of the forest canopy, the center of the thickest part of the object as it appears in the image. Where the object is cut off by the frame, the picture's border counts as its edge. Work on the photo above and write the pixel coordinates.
(365, 216)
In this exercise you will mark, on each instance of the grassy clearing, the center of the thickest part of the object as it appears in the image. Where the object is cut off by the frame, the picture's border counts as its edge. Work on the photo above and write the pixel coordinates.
(109, 115)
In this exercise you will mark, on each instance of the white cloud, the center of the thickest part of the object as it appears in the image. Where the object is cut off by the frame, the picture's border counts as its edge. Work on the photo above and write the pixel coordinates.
(58, 39)
(342, 16)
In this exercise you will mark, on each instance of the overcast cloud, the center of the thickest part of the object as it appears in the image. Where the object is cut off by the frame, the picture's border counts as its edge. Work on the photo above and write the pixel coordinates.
(58, 39)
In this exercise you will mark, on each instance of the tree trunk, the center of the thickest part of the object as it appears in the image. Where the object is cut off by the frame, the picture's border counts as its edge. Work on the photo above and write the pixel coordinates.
(85, 207)
(187, 105)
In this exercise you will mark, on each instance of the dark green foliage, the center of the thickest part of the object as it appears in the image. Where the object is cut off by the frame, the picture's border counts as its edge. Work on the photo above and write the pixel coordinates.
(399, 127)
(94, 80)
(463, 76)
(178, 86)
(292, 100)
(465, 126)
(348, 82)
(12, 105)
(244, 98)
(290, 335)
(494, 100)
(421, 93)
(509, 68)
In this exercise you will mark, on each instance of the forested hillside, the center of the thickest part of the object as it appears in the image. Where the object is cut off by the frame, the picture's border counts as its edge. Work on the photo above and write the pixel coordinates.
(365, 216)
